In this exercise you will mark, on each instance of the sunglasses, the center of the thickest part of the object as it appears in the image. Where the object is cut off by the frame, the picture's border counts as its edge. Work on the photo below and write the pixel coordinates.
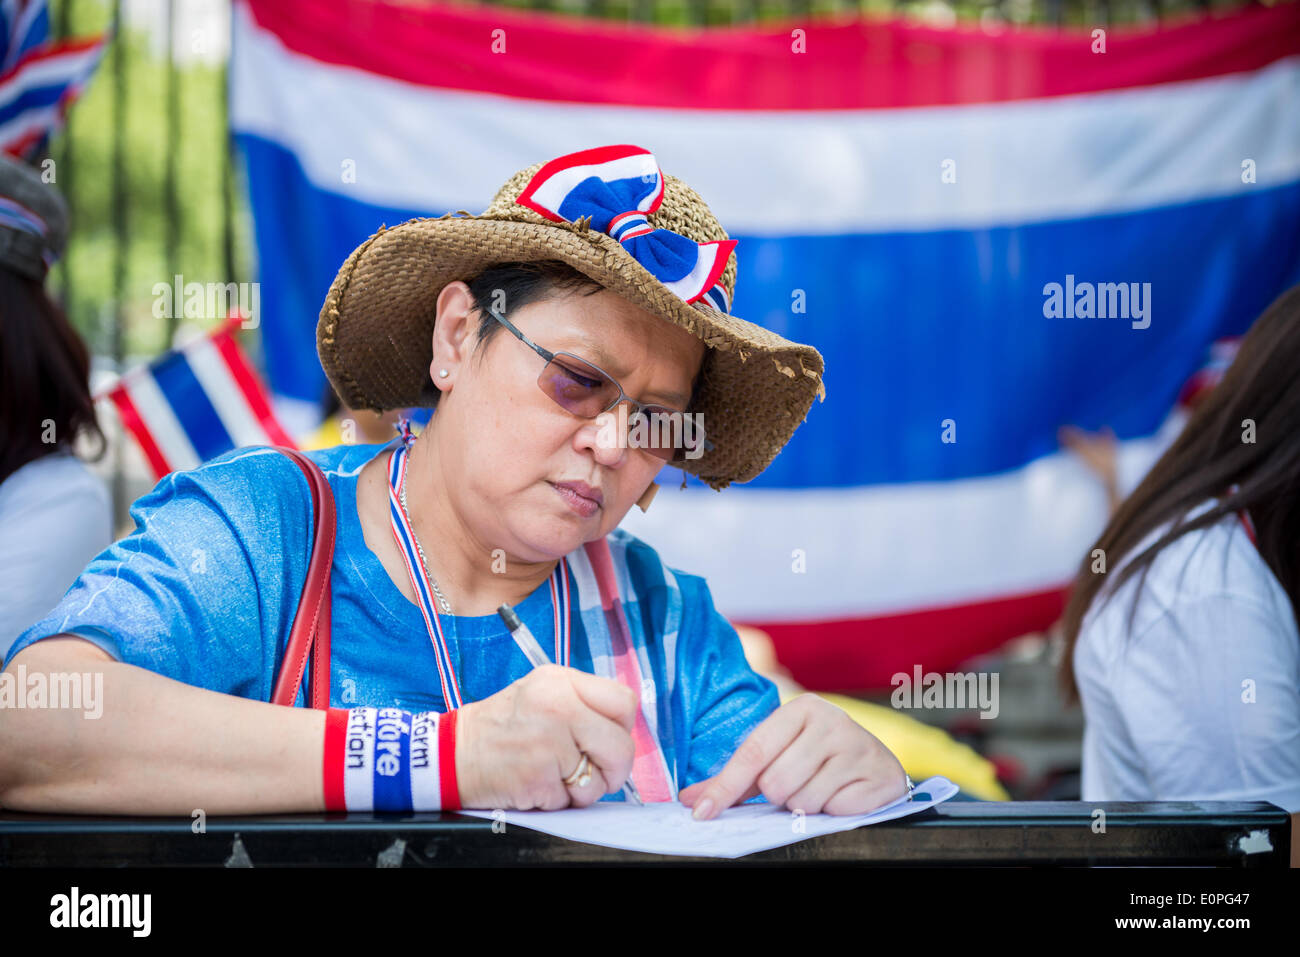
(586, 390)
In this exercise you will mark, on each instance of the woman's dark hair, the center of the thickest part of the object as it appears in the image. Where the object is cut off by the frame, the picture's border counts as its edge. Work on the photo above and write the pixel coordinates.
(510, 286)
(44, 377)
(1245, 432)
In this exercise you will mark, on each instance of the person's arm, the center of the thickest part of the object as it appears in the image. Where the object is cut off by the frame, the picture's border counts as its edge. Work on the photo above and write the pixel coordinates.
(158, 746)
(1099, 453)
(184, 629)
(184, 634)
(1208, 695)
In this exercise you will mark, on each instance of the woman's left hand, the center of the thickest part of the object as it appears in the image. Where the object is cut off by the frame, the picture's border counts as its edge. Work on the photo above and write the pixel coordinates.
(809, 756)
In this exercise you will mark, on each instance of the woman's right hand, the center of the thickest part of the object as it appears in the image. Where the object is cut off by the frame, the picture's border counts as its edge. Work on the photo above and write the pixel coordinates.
(514, 749)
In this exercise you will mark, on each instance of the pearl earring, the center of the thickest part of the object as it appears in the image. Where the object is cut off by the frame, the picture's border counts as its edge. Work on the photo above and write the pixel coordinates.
(443, 373)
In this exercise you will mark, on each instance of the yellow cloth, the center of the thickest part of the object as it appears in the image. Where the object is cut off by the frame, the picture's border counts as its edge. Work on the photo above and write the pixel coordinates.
(328, 435)
(923, 750)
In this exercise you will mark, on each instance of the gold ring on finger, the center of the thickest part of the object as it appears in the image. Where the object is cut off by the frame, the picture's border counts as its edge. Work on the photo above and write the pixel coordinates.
(581, 775)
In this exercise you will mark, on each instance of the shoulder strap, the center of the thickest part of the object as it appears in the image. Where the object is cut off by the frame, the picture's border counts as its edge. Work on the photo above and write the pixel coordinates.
(312, 621)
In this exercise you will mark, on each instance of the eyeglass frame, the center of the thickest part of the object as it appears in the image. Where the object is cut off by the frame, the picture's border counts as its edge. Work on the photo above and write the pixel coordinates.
(549, 356)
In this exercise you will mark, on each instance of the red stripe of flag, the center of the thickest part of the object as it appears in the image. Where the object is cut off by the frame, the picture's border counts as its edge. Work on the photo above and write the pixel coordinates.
(850, 63)
(130, 416)
(863, 654)
(243, 374)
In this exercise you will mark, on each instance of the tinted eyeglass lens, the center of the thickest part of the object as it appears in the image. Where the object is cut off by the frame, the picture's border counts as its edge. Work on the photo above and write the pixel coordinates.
(578, 386)
(582, 389)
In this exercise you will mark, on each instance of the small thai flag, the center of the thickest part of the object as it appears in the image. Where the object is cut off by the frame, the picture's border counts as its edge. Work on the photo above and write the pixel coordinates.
(39, 78)
(194, 403)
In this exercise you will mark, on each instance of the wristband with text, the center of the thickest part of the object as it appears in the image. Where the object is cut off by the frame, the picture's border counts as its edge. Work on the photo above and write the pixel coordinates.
(387, 759)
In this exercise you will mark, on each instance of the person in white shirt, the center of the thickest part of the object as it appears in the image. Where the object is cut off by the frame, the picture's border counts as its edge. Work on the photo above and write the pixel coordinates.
(55, 514)
(1181, 635)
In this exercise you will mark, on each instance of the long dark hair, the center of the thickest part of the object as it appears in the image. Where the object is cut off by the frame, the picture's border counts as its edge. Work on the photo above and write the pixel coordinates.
(1259, 394)
(44, 376)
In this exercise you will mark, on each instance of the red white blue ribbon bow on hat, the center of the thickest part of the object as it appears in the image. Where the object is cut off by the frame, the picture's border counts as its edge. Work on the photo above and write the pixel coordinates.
(618, 187)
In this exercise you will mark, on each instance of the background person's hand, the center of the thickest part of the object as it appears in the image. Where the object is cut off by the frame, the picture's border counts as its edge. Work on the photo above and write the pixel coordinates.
(514, 749)
(810, 756)
(1099, 452)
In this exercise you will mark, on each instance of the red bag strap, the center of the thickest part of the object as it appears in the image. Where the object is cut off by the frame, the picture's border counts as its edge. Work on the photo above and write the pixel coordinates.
(312, 621)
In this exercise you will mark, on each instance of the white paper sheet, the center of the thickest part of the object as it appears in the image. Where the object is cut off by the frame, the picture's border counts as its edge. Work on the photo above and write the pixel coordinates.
(668, 828)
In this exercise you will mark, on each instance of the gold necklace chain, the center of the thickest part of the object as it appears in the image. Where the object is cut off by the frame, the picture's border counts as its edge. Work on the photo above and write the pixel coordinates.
(442, 599)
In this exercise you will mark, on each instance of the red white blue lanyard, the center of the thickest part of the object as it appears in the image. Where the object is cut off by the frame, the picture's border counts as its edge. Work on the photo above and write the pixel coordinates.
(402, 532)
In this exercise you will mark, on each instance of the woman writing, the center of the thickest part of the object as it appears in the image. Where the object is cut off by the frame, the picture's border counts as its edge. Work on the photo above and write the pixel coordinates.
(592, 285)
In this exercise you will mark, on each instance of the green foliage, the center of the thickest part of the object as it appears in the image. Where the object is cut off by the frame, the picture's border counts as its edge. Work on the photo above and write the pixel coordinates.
(84, 153)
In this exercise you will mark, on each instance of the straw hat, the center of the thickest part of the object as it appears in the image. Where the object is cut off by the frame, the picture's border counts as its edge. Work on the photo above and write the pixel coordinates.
(374, 336)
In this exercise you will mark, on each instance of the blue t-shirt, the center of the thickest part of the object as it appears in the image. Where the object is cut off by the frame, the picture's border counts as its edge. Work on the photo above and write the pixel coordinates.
(204, 590)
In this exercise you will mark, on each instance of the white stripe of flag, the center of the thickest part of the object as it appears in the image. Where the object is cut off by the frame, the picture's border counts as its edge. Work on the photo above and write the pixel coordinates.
(162, 423)
(223, 391)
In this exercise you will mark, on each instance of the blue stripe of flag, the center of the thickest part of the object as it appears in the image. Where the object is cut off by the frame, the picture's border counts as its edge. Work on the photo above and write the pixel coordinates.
(191, 405)
(904, 350)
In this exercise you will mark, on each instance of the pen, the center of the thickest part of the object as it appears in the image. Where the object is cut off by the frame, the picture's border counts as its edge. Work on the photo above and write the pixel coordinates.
(536, 657)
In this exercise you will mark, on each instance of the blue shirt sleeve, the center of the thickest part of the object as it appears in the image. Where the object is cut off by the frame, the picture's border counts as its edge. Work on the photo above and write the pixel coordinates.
(726, 699)
(207, 582)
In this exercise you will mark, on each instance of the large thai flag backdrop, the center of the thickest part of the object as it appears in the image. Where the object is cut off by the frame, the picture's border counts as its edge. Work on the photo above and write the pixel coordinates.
(915, 188)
